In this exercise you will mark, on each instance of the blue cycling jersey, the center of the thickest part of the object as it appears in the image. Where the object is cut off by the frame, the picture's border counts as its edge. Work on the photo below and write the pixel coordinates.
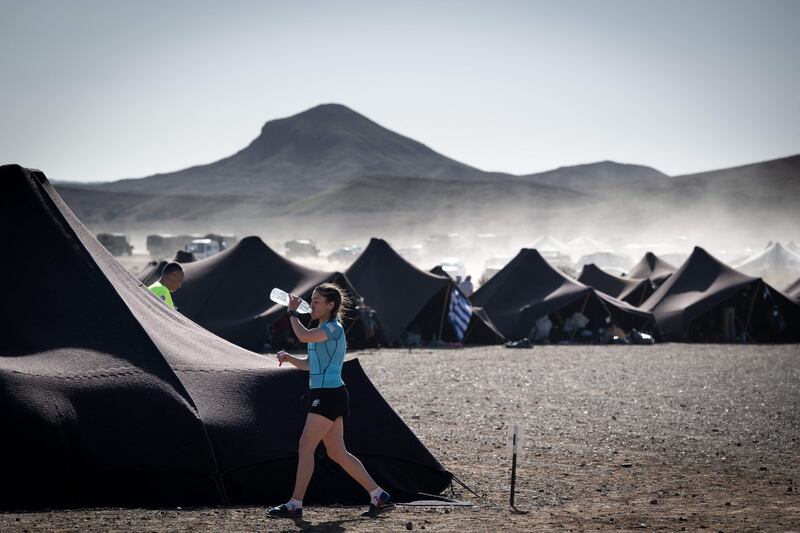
(325, 358)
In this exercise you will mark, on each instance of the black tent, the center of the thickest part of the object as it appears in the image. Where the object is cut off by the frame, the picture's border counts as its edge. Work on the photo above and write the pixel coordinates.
(653, 268)
(631, 290)
(228, 293)
(403, 296)
(528, 288)
(708, 301)
(108, 397)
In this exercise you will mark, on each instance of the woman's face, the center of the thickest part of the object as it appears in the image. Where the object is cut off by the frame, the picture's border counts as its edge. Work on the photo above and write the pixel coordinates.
(320, 306)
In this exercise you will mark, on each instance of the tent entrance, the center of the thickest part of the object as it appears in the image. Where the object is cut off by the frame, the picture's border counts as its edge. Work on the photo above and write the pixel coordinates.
(752, 314)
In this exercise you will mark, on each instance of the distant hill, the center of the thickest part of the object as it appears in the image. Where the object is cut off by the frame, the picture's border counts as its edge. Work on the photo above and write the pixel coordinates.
(777, 180)
(323, 147)
(334, 168)
(602, 177)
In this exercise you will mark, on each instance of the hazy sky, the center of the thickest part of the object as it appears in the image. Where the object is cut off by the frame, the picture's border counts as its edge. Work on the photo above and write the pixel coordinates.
(100, 90)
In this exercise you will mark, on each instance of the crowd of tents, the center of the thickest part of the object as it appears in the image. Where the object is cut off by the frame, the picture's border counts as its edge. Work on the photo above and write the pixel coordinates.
(111, 398)
(703, 300)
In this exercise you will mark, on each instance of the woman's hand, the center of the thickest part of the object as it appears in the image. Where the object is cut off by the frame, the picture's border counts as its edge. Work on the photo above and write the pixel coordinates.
(281, 355)
(294, 302)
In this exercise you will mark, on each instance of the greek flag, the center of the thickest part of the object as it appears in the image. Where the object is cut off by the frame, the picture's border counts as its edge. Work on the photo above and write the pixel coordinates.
(460, 313)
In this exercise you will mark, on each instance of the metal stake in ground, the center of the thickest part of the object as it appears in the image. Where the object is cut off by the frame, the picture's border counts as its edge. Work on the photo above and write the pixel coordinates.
(516, 450)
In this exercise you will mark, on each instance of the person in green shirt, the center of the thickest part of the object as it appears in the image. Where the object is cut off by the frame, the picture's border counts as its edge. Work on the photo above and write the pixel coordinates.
(170, 281)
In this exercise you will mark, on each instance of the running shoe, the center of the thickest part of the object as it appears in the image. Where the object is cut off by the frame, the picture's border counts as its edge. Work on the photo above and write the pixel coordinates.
(283, 511)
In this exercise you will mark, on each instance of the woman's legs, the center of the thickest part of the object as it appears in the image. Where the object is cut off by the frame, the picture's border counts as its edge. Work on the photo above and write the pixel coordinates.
(334, 445)
(317, 426)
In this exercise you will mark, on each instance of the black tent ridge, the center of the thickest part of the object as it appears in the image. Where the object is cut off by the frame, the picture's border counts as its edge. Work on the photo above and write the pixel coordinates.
(689, 305)
(528, 288)
(632, 290)
(399, 292)
(653, 268)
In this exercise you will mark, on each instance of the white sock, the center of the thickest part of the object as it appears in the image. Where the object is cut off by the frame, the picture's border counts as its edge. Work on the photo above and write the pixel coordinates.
(294, 504)
(375, 494)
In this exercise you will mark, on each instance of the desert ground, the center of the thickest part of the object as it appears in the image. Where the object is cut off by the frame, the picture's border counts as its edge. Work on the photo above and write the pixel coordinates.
(668, 437)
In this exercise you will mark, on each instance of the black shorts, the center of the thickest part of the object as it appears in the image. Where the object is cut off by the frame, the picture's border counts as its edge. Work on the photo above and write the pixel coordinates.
(330, 403)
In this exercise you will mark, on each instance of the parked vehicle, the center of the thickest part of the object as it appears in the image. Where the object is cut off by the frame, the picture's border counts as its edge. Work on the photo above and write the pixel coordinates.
(225, 240)
(164, 245)
(116, 243)
(301, 248)
(203, 248)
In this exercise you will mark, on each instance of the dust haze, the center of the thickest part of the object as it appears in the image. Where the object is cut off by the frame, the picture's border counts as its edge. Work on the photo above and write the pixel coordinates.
(492, 234)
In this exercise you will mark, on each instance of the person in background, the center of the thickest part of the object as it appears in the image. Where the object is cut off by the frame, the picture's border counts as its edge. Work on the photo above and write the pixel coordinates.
(170, 281)
(466, 286)
(368, 320)
(329, 402)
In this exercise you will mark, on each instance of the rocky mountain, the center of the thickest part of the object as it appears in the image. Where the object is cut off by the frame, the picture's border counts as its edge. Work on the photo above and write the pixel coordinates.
(312, 151)
(335, 168)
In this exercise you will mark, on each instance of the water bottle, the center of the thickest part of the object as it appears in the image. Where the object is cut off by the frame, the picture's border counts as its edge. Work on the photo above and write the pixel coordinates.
(282, 297)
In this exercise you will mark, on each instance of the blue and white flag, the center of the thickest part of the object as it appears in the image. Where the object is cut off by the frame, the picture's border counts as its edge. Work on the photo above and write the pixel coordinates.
(460, 313)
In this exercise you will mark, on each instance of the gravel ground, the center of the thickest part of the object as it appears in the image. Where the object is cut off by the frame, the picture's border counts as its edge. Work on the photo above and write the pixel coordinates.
(669, 437)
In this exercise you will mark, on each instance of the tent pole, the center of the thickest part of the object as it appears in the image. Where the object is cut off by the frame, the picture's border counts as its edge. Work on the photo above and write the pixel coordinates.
(583, 308)
(750, 311)
(585, 301)
(444, 311)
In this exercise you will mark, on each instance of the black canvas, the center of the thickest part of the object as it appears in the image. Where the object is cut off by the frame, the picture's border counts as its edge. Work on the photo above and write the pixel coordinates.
(688, 306)
(528, 288)
(631, 290)
(108, 397)
(653, 268)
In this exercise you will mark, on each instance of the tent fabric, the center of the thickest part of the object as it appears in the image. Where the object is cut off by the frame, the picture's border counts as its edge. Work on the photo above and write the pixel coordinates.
(793, 290)
(398, 291)
(775, 264)
(631, 290)
(108, 397)
(703, 284)
(228, 293)
(529, 288)
(481, 329)
(653, 268)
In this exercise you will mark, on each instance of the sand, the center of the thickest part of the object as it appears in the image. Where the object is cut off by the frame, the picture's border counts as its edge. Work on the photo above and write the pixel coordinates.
(617, 438)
